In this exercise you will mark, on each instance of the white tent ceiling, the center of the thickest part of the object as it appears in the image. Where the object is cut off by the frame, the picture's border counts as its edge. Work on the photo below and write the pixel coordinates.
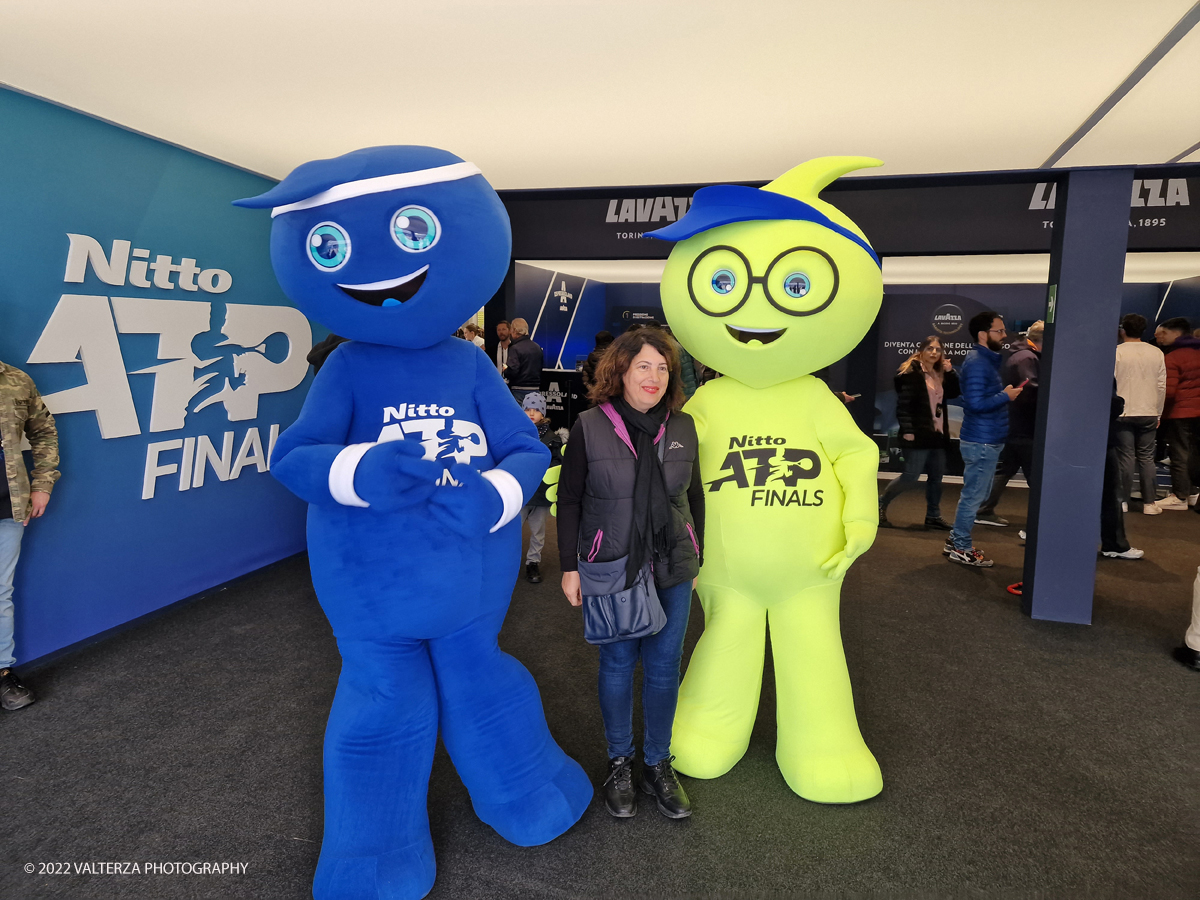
(559, 93)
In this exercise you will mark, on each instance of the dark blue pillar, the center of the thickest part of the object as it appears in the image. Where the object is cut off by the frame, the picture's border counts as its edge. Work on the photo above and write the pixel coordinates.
(1083, 307)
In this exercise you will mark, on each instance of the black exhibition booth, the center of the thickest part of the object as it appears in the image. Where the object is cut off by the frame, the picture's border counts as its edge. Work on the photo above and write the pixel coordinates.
(1087, 219)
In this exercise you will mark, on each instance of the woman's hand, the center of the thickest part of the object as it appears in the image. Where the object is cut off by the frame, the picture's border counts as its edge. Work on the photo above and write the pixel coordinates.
(908, 437)
(695, 581)
(570, 587)
(946, 364)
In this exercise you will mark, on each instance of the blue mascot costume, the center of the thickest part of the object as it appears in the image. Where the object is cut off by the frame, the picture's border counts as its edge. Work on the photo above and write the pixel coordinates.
(415, 462)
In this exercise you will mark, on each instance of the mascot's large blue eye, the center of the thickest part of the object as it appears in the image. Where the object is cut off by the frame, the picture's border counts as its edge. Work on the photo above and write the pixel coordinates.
(723, 281)
(415, 228)
(797, 285)
(328, 246)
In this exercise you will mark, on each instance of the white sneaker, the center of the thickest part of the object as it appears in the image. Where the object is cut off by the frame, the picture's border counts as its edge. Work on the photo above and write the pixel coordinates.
(1172, 502)
(1131, 553)
(1193, 498)
(1151, 509)
(1124, 507)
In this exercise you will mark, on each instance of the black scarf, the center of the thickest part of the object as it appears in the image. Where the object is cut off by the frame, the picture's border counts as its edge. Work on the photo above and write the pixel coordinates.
(653, 534)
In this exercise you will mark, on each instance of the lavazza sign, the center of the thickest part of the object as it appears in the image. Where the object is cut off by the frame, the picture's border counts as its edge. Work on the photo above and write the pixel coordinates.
(83, 329)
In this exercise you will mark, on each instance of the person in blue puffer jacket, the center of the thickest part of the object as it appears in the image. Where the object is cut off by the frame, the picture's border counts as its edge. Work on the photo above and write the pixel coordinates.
(985, 402)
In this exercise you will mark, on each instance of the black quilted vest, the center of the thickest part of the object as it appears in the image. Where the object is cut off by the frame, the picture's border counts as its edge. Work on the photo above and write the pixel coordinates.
(606, 522)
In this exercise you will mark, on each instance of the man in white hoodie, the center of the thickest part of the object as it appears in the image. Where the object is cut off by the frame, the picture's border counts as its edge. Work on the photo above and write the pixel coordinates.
(1141, 374)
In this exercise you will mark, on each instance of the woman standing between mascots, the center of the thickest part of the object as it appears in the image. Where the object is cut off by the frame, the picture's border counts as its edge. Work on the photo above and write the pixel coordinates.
(924, 383)
(630, 485)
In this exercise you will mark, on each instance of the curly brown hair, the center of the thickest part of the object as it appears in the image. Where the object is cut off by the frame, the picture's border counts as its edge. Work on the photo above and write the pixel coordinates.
(615, 362)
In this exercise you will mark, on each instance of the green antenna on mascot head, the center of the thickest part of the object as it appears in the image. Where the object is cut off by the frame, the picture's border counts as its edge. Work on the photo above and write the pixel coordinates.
(769, 284)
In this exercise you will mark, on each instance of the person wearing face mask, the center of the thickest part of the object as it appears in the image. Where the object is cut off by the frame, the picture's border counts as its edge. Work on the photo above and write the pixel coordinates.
(924, 383)
(630, 486)
(984, 431)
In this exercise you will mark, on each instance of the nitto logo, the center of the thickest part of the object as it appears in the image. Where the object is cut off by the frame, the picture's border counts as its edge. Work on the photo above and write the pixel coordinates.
(768, 464)
(947, 319)
(648, 209)
(442, 437)
(83, 329)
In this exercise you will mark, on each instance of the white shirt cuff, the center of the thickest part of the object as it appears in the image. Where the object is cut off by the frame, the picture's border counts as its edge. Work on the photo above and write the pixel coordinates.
(510, 493)
(341, 475)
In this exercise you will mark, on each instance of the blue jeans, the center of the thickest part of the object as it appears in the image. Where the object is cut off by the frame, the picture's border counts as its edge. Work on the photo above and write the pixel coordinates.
(916, 461)
(979, 467)
(660, 654)
(10, 549)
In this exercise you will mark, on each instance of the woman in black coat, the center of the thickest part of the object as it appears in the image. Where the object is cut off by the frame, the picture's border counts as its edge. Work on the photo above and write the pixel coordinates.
(923, 385)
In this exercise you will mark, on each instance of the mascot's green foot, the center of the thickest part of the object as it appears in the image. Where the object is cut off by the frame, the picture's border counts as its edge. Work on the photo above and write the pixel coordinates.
(703, 755)
(848, 776)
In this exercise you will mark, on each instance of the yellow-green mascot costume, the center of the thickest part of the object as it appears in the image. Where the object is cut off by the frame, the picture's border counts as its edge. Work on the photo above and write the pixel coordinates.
(767, 286)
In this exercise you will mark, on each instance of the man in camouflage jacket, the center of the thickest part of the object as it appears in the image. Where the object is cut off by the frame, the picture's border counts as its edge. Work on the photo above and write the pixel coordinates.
(23, 498)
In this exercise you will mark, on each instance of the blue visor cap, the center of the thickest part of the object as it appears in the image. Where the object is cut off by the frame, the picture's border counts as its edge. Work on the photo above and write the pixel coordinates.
(724, 204)
(319, 175)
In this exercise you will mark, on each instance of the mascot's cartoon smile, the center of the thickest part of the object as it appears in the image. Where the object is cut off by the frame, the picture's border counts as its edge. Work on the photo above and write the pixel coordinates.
(388, 293)
(762, 335)
(415, 462)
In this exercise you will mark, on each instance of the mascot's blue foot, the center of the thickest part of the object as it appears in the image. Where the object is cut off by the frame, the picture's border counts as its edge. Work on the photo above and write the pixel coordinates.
(545, 812)
(399, 875)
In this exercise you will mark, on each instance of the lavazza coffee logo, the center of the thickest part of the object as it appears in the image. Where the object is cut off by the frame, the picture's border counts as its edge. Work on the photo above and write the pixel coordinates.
(948, 319)
(83, 329)
(650, 210)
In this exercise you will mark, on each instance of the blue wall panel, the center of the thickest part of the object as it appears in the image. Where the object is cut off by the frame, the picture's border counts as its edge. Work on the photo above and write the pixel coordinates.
(564, 313)
(211, 354)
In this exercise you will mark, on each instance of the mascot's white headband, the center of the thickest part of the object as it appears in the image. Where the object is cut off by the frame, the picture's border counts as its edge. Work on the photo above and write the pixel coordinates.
(377, 185)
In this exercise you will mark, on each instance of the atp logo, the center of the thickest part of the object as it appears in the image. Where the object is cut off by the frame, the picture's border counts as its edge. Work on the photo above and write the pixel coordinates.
(771, 470)
(441, 437)
(84, 329)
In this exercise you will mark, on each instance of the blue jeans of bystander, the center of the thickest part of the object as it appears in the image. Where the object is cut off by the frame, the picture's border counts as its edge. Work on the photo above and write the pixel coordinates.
(979, 467)
(10, 549)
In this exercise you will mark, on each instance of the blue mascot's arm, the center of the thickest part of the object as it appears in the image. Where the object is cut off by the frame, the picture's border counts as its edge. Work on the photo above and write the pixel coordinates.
(512, 439)
(304, 453)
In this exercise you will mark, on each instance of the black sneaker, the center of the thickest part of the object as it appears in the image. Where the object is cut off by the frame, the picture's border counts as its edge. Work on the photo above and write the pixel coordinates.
(937, 523)
(533, 573)
(972, 557)
(990, 519)
(661, 782)
(1187, 656)
(883, 522)
(620, 799)
(13, 694)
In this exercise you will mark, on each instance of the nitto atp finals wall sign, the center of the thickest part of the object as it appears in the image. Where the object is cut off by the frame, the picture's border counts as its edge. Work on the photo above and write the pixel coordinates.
(144, 307)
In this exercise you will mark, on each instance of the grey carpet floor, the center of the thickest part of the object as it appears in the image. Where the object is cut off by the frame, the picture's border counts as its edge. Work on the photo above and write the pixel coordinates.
(1020, 758)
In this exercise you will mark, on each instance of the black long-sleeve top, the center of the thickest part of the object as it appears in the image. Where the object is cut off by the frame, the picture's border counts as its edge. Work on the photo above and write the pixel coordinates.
(572, 484)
